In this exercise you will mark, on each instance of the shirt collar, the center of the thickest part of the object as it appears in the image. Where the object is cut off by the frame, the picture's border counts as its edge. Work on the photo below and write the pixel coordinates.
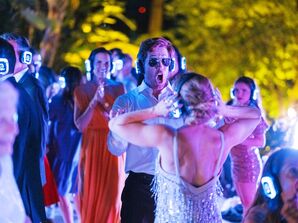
(168, 90)
(5, 77)
(20, 74)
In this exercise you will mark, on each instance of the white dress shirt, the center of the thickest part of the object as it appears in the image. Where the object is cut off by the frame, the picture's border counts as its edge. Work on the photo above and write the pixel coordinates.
(139, 159)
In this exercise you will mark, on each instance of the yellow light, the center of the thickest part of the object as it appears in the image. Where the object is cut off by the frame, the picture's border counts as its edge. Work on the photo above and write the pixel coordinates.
(86, 28)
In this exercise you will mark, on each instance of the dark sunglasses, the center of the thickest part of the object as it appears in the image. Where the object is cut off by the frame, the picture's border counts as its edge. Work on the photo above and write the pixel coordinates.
(154, 61)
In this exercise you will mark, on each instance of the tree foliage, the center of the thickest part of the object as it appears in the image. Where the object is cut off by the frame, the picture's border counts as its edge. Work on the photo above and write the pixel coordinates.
(221, 39)
(228, 38)
(67, 30)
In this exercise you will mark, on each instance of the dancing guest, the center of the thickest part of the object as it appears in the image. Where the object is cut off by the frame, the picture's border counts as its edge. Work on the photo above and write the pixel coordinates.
(190, 157)
(154, 61)
(101, 173)
(64, 142)
(276, 199)
(246, 163)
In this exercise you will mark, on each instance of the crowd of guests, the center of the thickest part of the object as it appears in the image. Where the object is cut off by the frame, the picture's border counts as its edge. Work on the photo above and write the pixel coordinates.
(124, 144)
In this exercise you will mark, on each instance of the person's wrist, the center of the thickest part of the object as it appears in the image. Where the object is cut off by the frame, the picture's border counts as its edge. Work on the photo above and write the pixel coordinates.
(104, 103)
(92, 104)
(154, 111)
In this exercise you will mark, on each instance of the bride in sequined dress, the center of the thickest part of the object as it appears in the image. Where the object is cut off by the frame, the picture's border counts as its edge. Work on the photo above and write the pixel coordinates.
(186, 181)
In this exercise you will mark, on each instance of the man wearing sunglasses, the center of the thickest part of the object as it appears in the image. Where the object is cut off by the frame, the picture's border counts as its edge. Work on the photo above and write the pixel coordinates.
(154, 62)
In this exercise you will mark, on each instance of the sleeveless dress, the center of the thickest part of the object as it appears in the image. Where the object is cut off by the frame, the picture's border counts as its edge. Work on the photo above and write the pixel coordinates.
(246, 163)
(179, 201)
(101, 175)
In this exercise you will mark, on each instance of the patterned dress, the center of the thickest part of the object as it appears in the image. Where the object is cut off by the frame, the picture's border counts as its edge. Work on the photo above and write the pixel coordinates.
(101, 174)
(246, 161)
(178, 201)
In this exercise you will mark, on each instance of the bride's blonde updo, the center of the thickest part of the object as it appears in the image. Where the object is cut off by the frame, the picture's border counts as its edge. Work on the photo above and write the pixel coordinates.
(197, 97)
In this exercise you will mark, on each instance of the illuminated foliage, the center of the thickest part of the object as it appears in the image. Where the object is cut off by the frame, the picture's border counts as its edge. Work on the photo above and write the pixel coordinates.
(228, 38)
(97, 29)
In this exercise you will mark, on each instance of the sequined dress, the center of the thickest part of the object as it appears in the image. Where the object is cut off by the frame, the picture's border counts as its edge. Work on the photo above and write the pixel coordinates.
(178, 201)
(246, 161)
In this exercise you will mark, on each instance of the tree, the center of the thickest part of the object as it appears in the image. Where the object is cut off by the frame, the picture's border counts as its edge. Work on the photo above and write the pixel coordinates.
(79, 27)
(230, 38)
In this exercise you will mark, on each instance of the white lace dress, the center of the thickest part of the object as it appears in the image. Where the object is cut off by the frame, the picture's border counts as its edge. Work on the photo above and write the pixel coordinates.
(181, 202)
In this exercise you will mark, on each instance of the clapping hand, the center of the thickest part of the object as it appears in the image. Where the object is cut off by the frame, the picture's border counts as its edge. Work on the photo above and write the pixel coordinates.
(98, 96)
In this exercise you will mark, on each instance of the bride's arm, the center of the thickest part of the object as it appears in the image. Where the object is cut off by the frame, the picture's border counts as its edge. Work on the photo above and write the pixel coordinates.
(130, 126)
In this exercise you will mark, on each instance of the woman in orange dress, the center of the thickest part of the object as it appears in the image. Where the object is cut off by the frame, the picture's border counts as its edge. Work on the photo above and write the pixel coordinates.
(101, 174)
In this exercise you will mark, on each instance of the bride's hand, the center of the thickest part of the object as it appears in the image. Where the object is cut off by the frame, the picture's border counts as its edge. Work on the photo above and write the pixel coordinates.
(165, 106)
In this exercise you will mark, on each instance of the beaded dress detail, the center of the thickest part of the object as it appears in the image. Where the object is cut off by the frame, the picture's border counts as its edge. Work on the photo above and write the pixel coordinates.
(178, 201)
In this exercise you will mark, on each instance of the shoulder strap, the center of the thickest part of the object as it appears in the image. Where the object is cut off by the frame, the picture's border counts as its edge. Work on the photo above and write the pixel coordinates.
(220, 155)
(176, 159)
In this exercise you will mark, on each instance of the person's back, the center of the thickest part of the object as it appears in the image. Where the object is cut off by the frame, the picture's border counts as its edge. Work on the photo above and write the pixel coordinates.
(198, 149)
(189, 173)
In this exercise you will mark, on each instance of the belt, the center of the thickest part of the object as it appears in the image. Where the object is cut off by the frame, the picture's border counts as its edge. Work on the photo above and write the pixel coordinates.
(144, 176)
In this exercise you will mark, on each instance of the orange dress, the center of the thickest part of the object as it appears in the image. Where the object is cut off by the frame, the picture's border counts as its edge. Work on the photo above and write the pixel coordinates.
(101, 174)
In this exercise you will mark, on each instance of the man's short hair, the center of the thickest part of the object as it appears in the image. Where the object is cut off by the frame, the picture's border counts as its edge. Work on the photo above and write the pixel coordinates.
(22, 42)
(149, 44)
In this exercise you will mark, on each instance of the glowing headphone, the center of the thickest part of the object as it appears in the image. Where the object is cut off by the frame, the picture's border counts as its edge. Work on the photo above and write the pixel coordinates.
(26, 57)
(4, 66)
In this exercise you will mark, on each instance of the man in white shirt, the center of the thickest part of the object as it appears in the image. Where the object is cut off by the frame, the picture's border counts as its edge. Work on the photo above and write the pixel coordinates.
(155, 63)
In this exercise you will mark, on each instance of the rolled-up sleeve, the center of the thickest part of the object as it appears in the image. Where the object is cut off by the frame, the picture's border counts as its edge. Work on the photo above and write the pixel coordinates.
(116, 145)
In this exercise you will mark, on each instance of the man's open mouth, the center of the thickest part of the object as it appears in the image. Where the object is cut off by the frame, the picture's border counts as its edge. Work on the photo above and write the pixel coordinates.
(159, 77)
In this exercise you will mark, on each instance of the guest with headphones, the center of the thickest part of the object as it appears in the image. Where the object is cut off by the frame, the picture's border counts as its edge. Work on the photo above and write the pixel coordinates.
(65, 142)
(191, 157)
(246, 163)
(154, 62)
(28, 156)
(101, 173)
(276, 200)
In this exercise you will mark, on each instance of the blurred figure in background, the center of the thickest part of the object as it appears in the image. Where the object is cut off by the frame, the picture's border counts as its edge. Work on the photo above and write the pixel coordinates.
(36, 62)
(117, 63)
(124, 75)
(276, 200)
(246, 162)
(49, 80)
(65, 141)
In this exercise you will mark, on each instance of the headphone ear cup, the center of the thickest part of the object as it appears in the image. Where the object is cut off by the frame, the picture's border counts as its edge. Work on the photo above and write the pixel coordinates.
(139, 67)
(232, 93)
(26, 57)
(172, 65)
(271, 191)
(254, 94)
